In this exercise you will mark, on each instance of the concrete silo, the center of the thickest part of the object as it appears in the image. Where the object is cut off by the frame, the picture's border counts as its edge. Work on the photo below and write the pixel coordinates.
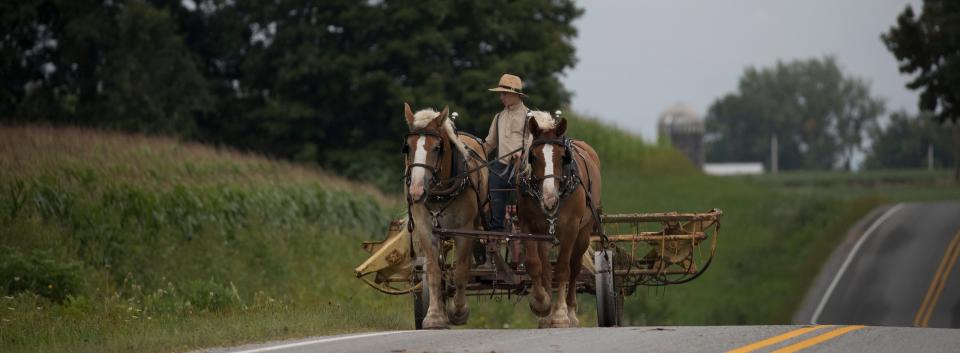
(683, 128)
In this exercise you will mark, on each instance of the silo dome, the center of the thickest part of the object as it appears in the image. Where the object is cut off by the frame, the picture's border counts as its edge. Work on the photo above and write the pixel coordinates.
(684, 128)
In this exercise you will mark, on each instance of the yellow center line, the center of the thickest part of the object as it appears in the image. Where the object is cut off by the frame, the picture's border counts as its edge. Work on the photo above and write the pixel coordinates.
(776, 339)
(943, 281)
(818, 339)
(936, 285)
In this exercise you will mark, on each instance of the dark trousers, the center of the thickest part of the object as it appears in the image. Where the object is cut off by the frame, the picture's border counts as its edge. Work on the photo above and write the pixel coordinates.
(498, 199)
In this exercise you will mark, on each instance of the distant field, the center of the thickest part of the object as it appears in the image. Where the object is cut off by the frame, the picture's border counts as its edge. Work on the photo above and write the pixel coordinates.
(114, 242)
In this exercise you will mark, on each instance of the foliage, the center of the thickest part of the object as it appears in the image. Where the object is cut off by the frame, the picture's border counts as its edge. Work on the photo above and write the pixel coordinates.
(903, 143)
(40, 272)
(302, 80)
(929, 46)
(113, 65)
(818, 113)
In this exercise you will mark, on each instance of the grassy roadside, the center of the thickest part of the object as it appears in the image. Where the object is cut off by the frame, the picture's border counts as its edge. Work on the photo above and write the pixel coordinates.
(129, 243)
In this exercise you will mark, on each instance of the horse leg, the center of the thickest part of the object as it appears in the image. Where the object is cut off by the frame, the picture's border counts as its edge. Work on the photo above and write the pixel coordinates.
(576, 265)
(546, 280)
(540, 297)
(459, 310)
(434, 318)
(558, 314)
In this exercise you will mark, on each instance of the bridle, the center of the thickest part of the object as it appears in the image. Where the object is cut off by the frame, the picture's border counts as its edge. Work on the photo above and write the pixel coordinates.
(440, 189)
(569, 179)
(434, 169)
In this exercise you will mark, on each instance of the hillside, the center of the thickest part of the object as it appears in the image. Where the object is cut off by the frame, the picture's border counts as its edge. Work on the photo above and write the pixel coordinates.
(114, 242)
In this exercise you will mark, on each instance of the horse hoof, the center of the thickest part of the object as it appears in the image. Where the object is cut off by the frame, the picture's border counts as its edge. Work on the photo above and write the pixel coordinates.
(559, 321)
(458, 316)
(543, 322)
(540, 308)
(435, 322)
(574, 322)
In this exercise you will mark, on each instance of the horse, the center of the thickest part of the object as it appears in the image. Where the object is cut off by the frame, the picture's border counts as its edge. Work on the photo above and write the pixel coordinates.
(558, 194)
(438, 196)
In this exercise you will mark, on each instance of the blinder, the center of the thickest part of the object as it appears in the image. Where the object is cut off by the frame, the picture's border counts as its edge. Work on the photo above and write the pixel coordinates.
(434, 169)
(569, 178)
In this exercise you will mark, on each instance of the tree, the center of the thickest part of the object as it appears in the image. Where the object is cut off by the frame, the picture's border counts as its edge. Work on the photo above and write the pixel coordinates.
(323, 81)
(929, 46)
(320, 82)
(818, 114)
(114, 65)
(904, 143)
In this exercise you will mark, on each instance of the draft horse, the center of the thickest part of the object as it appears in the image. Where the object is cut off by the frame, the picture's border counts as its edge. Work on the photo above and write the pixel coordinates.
(441, 193)
(558, 194)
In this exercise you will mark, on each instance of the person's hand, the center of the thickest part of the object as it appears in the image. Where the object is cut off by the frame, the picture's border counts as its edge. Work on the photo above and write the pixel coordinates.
(516, 155)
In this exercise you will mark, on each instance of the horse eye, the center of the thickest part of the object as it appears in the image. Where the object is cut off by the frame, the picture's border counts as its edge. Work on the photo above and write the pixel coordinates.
(532, 158)
(436, 148)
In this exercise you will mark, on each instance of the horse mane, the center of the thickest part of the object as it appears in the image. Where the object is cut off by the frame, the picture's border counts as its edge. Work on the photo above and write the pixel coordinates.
(423, 118)
(544, 120)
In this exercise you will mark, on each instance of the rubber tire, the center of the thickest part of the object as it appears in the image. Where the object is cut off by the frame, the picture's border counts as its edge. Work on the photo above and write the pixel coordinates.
(609, 307)
(421, 299)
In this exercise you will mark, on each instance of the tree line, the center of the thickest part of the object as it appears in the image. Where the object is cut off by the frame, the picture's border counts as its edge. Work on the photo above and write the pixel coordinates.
(822, 116)
(319, 82)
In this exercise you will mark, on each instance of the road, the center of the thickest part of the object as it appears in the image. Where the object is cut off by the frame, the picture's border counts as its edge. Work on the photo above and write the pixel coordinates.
(740, 339)
(895, 272)
(896, 268)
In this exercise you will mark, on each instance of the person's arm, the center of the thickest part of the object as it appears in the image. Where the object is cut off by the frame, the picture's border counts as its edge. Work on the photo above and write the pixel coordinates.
(490, 142)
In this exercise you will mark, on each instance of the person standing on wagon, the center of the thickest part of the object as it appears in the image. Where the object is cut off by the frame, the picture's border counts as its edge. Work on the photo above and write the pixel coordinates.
(506, 136)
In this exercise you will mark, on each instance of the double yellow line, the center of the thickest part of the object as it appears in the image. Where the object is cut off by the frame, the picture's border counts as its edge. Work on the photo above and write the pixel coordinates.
(939, 280)
(831, 334)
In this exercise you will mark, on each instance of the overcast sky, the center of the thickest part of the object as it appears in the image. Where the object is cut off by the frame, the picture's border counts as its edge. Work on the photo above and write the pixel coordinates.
(636, 58)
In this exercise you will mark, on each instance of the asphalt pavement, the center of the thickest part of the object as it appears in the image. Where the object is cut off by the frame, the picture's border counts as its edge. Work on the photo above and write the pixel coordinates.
(690, 339)
(896, 268)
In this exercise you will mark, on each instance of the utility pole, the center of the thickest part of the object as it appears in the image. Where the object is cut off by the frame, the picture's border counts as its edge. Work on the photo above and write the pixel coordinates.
(930, 157)
(773, 154)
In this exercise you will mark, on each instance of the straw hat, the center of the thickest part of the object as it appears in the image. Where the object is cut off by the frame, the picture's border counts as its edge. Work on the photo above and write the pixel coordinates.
(509, 83)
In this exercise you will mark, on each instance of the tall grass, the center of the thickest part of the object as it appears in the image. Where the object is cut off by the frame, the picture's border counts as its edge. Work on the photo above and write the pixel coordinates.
(108, 239)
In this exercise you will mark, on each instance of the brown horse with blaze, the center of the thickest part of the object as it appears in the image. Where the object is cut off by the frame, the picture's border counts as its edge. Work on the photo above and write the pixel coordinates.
(437, 197)
(558, 194)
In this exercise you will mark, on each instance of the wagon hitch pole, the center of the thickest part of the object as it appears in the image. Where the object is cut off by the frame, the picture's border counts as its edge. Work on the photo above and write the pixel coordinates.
(490, 235)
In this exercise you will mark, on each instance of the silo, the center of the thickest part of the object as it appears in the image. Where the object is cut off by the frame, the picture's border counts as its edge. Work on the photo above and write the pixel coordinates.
(683, 127)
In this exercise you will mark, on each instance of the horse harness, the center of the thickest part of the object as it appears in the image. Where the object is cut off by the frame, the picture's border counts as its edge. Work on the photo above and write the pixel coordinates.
(569, 181)
(440, 190)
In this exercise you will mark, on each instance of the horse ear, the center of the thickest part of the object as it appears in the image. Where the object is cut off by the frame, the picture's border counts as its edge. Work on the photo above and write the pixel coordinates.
(561, 127)
(408, 113)
(442, 118)
(533, 127)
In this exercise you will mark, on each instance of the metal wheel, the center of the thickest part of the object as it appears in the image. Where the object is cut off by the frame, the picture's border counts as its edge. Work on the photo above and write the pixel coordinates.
(609, 306)
(421, 297)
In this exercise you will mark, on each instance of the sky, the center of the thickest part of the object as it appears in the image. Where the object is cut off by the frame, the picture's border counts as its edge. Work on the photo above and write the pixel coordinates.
(637, 58)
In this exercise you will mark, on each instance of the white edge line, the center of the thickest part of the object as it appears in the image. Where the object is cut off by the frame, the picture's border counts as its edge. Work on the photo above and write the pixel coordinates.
(324, 340)
(850, 256)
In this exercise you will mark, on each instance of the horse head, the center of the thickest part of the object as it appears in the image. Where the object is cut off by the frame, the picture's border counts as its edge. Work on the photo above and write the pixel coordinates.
(547, 158)
(425, 149)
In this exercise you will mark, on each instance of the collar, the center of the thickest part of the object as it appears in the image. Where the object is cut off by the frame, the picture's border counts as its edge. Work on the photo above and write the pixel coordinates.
(515, 108)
